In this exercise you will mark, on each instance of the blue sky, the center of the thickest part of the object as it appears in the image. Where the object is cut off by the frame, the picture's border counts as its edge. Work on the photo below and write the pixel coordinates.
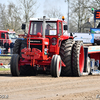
(45, 4)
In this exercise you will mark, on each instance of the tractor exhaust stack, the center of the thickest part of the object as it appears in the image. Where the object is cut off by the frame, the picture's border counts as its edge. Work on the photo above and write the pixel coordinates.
(44, 26)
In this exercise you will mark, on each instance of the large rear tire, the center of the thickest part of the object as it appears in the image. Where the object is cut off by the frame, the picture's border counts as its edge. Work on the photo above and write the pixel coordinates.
(23, 45)
(65, 53)
(56, 66)
(14, 67)
(17, 46)
(78, 58)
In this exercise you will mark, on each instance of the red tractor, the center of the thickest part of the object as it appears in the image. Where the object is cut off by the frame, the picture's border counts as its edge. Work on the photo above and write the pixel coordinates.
(47, 47)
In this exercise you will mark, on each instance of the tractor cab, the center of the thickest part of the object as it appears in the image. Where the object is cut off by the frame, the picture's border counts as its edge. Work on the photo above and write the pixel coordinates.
(52, 27)
(49, 32)
(37, 27)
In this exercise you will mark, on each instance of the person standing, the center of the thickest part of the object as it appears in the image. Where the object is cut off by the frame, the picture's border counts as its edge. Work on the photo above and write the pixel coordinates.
(6, 45)
(11, 47)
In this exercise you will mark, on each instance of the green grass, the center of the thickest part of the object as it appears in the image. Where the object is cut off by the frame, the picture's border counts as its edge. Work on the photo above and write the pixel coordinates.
(5, 57)
(4, 69)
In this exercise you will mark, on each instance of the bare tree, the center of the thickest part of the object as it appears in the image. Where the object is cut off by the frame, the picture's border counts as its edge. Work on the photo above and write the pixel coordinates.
(3, 17)
(9, 17)
(14, 19)
(53, 13)
(79, 12)
(95, 4)
(27, 8)
(12, 15)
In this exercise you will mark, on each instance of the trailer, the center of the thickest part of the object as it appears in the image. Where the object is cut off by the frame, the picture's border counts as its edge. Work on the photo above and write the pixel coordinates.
(92, 58)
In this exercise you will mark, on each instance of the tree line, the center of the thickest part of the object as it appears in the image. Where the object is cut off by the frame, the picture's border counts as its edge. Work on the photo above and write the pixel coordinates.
(80, 11)
(12, 15)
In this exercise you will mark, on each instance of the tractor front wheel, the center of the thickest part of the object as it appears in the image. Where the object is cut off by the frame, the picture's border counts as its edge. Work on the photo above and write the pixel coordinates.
(15, 69)
(56, 66)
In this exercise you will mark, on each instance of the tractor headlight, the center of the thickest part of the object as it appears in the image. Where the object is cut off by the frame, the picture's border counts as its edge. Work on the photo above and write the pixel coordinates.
(54, 41)
(45, 51)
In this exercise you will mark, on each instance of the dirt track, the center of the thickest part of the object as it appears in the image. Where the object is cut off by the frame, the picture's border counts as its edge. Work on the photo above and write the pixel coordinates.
(5, 61)
(44, 87)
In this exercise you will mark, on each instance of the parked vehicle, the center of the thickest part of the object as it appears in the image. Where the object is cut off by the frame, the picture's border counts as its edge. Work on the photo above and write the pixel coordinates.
(6, 35)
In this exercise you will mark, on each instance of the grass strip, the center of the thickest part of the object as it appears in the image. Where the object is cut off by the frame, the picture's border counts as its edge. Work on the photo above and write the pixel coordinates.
(4, 69)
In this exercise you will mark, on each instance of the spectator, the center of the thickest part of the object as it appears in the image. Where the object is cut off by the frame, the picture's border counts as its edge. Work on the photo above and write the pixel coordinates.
(11, 47)
(1, 42)
(6, 45)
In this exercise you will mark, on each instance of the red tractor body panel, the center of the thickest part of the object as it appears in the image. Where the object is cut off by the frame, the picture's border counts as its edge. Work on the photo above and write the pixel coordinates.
(41, 43)
(48, 46)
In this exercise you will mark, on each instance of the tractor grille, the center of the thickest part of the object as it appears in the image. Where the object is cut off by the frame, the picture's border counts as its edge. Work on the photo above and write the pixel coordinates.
(36, 46)
(35, 41)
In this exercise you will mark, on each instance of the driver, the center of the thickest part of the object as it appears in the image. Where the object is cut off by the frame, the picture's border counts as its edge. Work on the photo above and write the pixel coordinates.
(47, 29)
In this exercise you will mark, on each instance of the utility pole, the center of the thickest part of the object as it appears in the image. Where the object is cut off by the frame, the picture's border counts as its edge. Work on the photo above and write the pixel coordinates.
(68, 14)
(93, 12)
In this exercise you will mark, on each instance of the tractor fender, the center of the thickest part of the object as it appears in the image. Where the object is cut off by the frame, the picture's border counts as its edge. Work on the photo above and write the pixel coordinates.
(65, 37)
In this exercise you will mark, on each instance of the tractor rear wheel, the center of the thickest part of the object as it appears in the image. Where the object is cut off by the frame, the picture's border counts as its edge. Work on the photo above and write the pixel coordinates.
(23, 45)
(17, 45)
(14, 67)
(78, 58)
(56, 66)
(65, 53)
